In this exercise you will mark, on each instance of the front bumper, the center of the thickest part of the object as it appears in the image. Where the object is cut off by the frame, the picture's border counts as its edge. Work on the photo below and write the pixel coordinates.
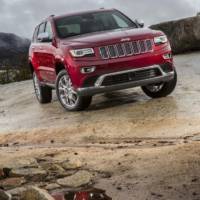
(100, 88)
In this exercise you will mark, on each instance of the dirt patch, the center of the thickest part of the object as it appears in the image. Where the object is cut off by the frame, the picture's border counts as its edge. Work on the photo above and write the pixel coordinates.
(170, 172)
(126, 144)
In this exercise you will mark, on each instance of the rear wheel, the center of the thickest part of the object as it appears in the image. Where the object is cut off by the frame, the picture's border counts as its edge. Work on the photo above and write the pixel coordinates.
(43, 93)
(67, 96)
(160, 89)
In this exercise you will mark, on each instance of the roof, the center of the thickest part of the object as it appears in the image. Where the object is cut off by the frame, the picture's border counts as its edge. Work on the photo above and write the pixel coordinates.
(82, 12)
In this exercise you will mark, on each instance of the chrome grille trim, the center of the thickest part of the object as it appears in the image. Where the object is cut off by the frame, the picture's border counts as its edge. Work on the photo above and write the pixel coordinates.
(104, 54)
(121, 50)
(136, 47)
(150, 43)
(129, 46)
(142, 46)
(110, 53)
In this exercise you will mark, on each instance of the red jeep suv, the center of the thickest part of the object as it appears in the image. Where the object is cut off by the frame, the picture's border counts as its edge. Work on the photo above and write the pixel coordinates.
(87, 53)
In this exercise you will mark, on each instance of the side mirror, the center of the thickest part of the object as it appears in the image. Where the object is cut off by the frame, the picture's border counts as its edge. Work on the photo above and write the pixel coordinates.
(44, 37)
(140, 23)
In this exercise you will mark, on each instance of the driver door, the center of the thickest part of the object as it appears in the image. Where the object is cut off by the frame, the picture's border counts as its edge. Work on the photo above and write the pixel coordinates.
(46, 53)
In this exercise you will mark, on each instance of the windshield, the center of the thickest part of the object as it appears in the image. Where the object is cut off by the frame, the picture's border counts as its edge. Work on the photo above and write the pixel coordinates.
(93, 22)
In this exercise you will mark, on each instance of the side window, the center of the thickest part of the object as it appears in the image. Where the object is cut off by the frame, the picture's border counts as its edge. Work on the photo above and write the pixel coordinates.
(34, 39)
(48, 29)
(41, 28)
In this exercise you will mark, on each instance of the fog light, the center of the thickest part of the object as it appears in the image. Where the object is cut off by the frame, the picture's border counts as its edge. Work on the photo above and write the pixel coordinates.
(167, 56)
(88, 70)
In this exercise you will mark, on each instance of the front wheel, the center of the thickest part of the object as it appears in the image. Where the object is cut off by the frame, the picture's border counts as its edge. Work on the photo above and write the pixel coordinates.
(67, 96)
(160, 89)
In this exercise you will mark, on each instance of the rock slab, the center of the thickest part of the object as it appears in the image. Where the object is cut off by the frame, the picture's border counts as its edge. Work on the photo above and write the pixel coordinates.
(4, 195)
(76, 180)
(11, 183)
(34, 193)
(184, 34)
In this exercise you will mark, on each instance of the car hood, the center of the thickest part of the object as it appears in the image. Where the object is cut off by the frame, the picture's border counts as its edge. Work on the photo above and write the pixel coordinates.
(110, 37)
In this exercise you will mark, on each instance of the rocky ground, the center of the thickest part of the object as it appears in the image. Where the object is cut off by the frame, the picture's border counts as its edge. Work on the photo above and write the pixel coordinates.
(126, 145)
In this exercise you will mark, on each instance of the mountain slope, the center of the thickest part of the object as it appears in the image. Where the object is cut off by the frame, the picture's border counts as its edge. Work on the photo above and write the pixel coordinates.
(12, 49)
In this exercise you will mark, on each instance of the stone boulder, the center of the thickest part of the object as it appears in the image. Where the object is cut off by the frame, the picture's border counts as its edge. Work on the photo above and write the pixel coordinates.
(4, 195)
(184, 34)
(34, 193)
(11, 183)
(76, 180)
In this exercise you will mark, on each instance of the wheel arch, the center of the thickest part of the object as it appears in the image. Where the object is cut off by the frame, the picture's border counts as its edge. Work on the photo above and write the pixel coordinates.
(59, 66)
(31, 67)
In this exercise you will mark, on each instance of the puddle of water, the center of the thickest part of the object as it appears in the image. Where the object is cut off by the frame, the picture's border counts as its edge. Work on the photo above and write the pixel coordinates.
(89, 194)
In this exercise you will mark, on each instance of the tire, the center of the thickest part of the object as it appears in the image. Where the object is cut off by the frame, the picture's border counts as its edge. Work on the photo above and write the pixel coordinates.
(68, 98)
(165, 88)
(43, 93)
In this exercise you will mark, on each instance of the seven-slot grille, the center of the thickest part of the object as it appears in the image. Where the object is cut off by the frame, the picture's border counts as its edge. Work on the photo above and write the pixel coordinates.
(126, 49)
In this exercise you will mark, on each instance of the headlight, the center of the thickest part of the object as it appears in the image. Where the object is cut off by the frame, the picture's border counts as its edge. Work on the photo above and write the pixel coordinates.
(160, 39)
(82, 52)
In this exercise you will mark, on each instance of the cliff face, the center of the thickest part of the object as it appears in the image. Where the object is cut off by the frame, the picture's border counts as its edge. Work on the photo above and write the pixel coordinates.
(13, 48)
(13, 58)
(183, 34)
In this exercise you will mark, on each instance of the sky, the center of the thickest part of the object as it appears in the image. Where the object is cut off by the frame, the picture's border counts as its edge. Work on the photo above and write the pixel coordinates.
(21, 16)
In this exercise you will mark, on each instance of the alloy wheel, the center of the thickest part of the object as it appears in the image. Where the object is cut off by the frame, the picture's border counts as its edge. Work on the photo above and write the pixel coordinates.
(155, 88)
(66, 92)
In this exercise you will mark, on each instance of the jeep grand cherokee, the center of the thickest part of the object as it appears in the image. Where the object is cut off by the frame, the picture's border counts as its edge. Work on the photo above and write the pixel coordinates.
(84, 54)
